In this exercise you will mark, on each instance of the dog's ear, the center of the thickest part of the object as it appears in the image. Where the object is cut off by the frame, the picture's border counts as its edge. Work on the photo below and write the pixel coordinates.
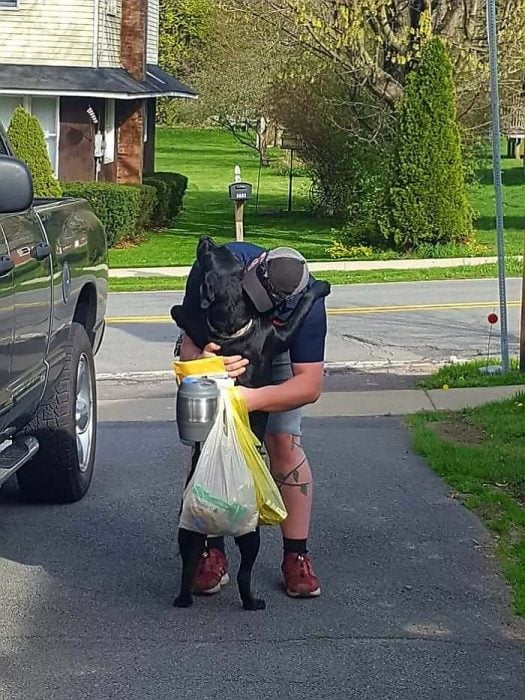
(205, 244)
(207, 290)
(175, 312)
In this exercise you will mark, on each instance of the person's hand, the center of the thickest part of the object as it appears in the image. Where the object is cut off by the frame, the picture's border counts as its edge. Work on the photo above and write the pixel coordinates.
(235, 365)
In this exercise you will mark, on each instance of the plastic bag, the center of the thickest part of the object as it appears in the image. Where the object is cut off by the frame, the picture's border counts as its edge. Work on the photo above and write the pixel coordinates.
(212, 367)
(270, 504)
(271, 507)
(220, 497)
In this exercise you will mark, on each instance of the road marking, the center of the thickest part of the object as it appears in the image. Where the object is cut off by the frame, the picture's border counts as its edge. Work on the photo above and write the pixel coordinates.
(352, 311)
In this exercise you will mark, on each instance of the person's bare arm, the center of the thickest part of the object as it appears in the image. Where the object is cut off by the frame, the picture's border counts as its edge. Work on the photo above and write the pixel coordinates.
(303, 388)
(235, 365)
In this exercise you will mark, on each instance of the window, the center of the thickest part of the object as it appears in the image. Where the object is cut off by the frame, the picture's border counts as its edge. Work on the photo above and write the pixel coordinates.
(7, 107)
(109, 132)
(13, 4)
(111, 8)
(3, 147)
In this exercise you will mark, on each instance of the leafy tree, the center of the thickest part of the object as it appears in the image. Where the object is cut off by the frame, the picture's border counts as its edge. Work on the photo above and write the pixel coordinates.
(184, 28)
(428, 202)
(376, 43)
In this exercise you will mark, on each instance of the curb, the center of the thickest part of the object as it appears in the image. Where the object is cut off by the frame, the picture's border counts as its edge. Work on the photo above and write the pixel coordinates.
(329, 265)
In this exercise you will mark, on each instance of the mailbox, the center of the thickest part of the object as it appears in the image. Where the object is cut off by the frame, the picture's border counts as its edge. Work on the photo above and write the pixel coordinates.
(240, 191)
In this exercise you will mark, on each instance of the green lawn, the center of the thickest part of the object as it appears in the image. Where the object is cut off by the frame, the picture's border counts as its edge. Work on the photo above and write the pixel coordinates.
(482, 198)
(468, 374)
(208, 157)
(481, 454)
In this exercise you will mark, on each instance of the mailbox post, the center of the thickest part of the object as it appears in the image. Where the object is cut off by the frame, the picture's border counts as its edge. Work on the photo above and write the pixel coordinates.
(239, 192)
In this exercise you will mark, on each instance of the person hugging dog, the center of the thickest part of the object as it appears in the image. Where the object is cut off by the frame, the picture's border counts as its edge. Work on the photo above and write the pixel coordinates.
(274, 280)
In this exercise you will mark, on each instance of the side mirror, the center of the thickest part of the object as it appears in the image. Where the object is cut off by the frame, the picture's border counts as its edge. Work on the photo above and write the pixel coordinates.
(16, 186)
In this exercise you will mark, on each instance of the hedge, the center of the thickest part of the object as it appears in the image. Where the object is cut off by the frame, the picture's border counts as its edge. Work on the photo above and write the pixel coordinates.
(127, 211)
(171, 188)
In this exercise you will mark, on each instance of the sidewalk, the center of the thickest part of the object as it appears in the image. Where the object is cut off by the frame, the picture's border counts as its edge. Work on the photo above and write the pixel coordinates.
(345, 265)
(401, 402)
(156, 390)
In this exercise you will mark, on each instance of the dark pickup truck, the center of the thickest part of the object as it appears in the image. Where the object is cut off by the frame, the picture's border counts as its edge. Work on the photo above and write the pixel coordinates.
(53, 293)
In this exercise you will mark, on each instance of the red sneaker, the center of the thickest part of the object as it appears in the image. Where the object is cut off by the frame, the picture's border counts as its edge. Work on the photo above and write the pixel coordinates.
(299, 578)
(212, 573)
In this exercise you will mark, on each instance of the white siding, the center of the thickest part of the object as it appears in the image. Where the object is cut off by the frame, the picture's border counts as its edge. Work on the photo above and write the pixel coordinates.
(153, 32)
(48, 32)
(109, 34)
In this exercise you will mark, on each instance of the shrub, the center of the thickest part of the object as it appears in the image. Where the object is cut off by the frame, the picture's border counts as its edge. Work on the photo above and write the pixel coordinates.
(29, 145)
(162, 192)
(170, 194)
(125, 211)
(427, 197)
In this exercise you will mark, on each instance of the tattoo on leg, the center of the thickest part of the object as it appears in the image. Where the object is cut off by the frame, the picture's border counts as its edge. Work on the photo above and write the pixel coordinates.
(282, 479)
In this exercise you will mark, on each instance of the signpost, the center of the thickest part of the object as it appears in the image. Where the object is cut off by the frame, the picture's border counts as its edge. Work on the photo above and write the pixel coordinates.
(492, 36)
(291, 143)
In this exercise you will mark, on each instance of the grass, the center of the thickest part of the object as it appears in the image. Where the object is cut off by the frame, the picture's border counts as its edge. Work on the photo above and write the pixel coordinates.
(208, 157)
(148, 284)
(482, 198)
(481, 454)
(467, 374)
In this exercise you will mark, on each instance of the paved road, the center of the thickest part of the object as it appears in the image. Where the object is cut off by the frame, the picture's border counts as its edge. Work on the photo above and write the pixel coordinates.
(411, 606)
(404, 322)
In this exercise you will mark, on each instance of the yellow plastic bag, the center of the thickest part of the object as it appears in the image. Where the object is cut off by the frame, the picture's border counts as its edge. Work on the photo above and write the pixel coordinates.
(205, 367)
(271, 507)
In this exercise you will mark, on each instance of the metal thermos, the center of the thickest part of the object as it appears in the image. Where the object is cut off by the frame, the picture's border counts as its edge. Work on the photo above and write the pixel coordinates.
(197, 405)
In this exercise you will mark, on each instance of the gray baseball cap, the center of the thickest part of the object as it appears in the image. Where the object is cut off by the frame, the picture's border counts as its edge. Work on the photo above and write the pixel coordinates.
(274, 276)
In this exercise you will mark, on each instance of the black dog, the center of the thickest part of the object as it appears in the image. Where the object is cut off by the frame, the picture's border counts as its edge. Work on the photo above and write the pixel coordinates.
(228, 317)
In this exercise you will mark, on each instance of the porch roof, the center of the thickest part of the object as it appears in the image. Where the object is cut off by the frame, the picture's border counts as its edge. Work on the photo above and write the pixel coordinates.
(112, 83)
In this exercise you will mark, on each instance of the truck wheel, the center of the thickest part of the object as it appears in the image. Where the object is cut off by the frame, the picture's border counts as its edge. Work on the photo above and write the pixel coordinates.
(66, 428)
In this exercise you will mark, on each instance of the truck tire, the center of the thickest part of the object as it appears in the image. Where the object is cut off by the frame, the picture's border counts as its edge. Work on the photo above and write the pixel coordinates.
(66, 427)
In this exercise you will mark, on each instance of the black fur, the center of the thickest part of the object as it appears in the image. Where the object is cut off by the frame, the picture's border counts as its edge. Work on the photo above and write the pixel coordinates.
(224, 309)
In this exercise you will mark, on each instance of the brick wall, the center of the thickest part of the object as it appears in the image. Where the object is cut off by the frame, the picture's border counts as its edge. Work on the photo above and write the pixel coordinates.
(134, 37)
(130, 146)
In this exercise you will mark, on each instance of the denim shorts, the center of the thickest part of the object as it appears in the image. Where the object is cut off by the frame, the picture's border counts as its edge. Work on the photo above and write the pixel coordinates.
(287, 422)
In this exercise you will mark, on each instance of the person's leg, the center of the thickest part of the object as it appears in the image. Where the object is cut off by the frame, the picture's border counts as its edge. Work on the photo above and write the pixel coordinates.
(291, 470)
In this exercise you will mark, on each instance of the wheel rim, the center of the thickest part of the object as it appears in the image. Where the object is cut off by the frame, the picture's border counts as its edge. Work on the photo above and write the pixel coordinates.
(84, 413)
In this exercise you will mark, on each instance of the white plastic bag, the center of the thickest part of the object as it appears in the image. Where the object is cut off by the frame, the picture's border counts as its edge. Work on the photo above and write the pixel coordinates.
(220, 498)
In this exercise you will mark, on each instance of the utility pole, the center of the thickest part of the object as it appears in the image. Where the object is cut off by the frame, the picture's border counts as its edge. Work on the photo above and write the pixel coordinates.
(492, 35)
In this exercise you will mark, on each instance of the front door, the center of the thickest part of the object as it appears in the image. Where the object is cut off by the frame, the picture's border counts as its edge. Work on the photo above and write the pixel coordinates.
(28, 249)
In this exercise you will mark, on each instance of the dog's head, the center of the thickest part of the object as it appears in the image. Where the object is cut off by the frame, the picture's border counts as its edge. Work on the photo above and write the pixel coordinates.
(222, 296)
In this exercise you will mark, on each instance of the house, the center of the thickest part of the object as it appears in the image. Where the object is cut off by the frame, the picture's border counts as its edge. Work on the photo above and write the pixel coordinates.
(88, 69)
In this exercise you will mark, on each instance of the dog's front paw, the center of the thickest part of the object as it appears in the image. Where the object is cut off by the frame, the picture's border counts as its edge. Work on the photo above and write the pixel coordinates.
(184, 600)
(320, 289)
(254, 604)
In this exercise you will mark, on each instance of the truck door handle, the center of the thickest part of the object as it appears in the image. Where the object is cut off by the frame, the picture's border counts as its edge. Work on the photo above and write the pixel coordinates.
(41, 251)
(6, 264)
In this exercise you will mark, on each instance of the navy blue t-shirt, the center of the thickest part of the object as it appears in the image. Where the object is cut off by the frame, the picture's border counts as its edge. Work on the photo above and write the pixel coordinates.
(309, 342)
